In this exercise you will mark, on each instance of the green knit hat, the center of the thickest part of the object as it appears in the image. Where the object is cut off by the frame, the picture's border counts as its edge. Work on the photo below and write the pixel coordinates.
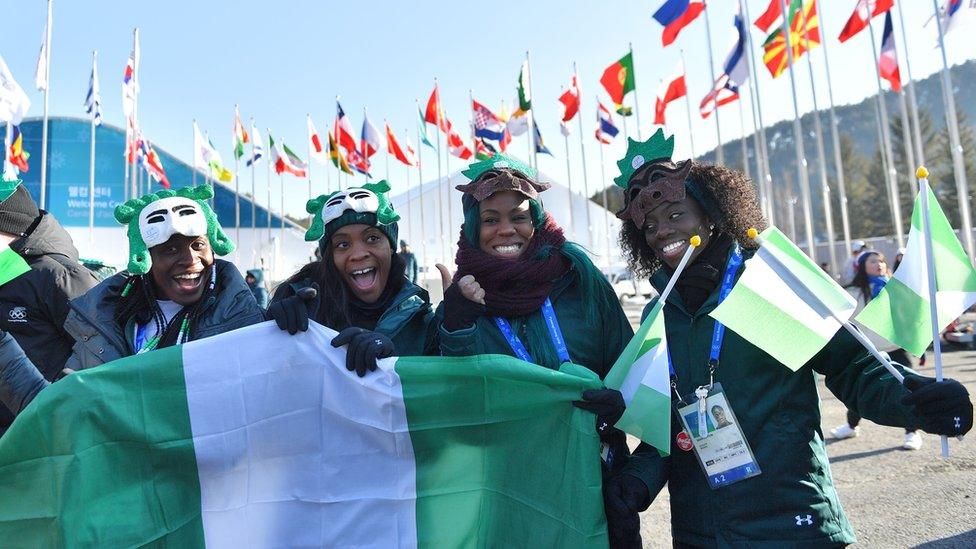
(155, 217)
(366, 205)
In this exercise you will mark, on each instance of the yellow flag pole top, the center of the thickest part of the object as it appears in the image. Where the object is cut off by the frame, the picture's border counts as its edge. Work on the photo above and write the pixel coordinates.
(922, 173)
(752, 233)
(695, 241)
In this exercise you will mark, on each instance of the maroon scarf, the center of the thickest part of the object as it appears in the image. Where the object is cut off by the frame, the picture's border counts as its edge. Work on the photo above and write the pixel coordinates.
(516, 287)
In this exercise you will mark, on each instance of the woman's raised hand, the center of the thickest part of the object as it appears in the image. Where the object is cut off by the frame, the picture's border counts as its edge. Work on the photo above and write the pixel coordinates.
(467, 285)
(464, 300)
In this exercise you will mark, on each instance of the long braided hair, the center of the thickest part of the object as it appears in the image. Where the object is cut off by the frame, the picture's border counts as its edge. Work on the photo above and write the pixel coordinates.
(138, 301)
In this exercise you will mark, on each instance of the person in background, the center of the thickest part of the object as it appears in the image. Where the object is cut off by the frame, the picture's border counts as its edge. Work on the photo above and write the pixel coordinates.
(255, 281)
(850, 267)
(410, 260)
(38, 277)
(899, 255)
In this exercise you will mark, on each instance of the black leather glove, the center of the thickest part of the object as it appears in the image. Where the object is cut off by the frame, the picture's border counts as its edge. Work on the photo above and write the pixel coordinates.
(291, 313)
(607, 404)
(624, 496)
(364, 348)
(943, 406)
(459, 311)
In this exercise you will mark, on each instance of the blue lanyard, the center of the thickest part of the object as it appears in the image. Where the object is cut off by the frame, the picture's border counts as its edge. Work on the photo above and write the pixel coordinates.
(552, 325)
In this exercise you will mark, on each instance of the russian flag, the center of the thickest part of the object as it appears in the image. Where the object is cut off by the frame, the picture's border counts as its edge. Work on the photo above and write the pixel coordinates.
(675, 15)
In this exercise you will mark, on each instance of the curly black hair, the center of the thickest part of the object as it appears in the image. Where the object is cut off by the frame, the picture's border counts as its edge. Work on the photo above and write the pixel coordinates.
(731, 194)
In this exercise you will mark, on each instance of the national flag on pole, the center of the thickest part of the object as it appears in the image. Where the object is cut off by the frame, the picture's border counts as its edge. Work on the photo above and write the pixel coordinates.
(518, 123)
(315, 147)
(393, 147)
(410, 152)
(804, 28)
(723, 92)
(571, 99)
(540, 146)
(888, 60)
(13, 100)
(93, 101)
(369, 138)
(206, 157)
(358, 162)
(900, 313)
(422, 129)
(641, 374)
(284, 160)
(258, 437)
(457, 147)
(132, 141)
(41, 73)
(338, 159)
(671, 89)
(483, 149)
(675, 15)
(524, 95)
(486, 123)
(957, 14)
(343, 130)
(16, 155)
(863, 12)
(772, 305)
(606, 130)
(240, 134)
(735, 72)
(618, 80)
(130, 85)
(257, 147)
(773, 13)
(153, 165)
(435, 113)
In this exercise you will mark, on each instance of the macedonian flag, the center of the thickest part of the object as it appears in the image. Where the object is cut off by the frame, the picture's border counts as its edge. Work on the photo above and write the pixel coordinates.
(804, 35)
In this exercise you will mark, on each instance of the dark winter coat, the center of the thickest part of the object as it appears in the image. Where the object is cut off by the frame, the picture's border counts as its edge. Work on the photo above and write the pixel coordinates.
(34, 305)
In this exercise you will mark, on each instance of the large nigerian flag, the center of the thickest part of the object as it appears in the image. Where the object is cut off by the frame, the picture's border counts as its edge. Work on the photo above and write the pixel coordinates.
(641, 374)
(900, 313)
(255, 438)
(784, 303)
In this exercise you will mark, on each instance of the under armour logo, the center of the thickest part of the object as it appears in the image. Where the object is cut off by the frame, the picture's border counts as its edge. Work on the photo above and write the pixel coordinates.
(801, 521)
(603, 425)
(958, 421)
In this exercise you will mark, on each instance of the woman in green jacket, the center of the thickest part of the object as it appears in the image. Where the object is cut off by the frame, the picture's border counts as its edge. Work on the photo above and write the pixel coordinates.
(358, 288)
(791, 501)
(523, 290)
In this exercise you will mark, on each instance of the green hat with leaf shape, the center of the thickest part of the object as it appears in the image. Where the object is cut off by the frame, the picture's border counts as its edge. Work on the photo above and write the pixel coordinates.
(155, 217)
(367, 205)
(639, 153)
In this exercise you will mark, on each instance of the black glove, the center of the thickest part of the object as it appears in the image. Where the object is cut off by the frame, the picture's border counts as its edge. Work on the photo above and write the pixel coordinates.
(943, 406)
(291, 313)
(459, 311)
(607, 404)
(364, 348)
(624, 496)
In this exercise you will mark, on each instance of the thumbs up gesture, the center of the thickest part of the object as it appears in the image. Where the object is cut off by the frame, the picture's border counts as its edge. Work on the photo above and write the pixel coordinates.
(464, 300)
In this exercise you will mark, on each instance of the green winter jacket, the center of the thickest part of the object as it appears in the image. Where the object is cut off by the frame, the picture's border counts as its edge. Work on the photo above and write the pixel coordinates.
(407, 321)
(793, 501)
(595, 347)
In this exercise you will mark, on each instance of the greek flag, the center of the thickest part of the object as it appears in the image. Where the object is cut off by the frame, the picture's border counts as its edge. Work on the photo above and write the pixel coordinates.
(93, 102)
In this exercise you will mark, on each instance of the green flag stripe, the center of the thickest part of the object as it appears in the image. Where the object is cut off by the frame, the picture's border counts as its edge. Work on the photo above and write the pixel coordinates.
(12, 265)
(643, 418)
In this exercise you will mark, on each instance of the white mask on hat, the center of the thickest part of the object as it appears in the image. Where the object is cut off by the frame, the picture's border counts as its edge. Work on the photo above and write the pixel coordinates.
(358, 200)
(165, 217)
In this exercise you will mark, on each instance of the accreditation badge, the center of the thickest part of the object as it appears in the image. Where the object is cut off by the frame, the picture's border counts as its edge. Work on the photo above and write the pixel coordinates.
(717, 440)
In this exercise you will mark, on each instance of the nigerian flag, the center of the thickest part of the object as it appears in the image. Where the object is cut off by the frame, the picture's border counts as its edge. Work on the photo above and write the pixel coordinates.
(784, 303)
(900, 313)
(256, 438)
(641, 374)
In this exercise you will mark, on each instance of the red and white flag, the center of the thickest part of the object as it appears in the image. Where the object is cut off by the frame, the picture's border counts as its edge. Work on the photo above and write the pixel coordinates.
(393, 147)
(865, 10)
(671, 89)
(434, 113)
(770, 17)
(456, 145)
(153, 165)
(369, 139)
(343, 130)
(888, 60)
(316, 150)
(571, 99)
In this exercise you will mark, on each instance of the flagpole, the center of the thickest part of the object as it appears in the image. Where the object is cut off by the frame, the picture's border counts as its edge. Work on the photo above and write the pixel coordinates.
(569, 179)
(387, 153)
(237, 185)
(532, 130)
(254, 199)
(959, 168)
(765, 176)
(923, 181)
(47, 87)
(742, 140)
(892, 173)
(906, 139)
(719, 152)
(835, 137)
(440, 182)
(270, 207)
(586, 184)
(691, 134)
(801, 160)
(195, 149)
(91, 161)
(135, 99)
(409, 205)
(821, 154)
(420, 196)
(338, 150)
(913, 102)
(308, 168)
(606, 202)
(630, 49)
(281, 233)
(882, 150)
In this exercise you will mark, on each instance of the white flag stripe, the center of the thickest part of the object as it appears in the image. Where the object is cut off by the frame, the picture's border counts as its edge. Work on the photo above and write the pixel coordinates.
(646, 371)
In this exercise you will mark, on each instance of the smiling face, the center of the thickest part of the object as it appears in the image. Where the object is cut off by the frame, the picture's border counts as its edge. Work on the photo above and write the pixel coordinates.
(668, 227)
(181, 267)
(362, 255)
(506, 224)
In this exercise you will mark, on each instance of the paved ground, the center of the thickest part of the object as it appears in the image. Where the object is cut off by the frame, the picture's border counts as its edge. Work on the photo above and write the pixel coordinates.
(892, 497)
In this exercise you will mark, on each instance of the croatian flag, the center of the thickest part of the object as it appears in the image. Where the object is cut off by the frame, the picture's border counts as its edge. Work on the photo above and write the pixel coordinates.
(888, 60)
(671, 89)
(675, 15)
(486, 123)
(605, 128)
